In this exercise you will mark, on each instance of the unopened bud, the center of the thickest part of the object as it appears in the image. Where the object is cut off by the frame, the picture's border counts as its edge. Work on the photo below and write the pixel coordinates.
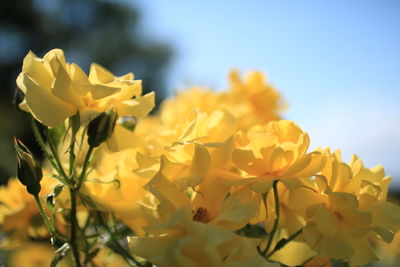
(29, 171)
(101, 128)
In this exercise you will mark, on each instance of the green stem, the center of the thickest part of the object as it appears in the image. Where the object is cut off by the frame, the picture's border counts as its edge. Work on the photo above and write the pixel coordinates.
(74, 228)
(72, 155)
(277, 216)
(84, 167)
(55, 156)
(291, 238)
(46, 220)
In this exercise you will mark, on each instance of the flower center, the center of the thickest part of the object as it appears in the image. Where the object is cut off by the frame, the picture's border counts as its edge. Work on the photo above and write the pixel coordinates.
(201, 215)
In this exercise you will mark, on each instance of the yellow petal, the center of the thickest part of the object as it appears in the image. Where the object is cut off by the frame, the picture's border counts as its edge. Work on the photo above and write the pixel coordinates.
(307, 197)
(100, 91)
(278, 159)
(386, 215)
(363, 253)
(221, 125)
(33, 67)
(98, 74)
(336, 247)
(80, 81)
(171, 198)
(325, 222)
(201, 161)
(138, 107)
(62, 88)
(245, 160)
(45, 107)
(312, 236)
(210, 195)
(236, 211)
(221, 154)
(291, 183)
(294, 254)
(150, 248)
(306, 166)
(122, 139)
(262, 185)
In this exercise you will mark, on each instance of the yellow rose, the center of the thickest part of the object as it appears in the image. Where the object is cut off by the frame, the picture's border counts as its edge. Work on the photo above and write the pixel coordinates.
(252, 99)
(55, 90)
(346, 209)
(211, 202)
(277, 151)
(174, 110)
(182, 242)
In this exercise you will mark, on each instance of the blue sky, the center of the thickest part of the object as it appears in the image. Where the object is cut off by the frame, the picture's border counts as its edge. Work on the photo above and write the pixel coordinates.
(337, 63)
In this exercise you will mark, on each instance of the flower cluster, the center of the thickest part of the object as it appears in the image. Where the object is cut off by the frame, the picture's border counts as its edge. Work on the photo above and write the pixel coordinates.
(211, 179)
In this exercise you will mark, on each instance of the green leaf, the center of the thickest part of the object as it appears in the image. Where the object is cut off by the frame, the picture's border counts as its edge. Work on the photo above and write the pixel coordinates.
(129, 123)
(58, 189)
(50, 200)
(252, 231)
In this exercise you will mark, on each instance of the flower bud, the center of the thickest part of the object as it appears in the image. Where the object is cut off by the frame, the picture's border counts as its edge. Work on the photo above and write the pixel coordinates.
(101, 128)
(29, 171)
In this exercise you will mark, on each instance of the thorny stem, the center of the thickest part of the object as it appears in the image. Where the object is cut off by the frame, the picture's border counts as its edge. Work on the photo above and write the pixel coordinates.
(55, 156)
(74, 221)
(72, 155)
(84, 168)
(74, 226)
(46, 220)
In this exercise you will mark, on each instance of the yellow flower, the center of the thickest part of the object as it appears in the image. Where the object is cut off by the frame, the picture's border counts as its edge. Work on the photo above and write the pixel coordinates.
(348, 211)
(371, 181)
(253, 100)
(215, 127)
(277, 151)
(182, 242)
(338, 230)
(49, 83)
(250, 100)
(202, 144)
(211, 202)
(175, 110)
